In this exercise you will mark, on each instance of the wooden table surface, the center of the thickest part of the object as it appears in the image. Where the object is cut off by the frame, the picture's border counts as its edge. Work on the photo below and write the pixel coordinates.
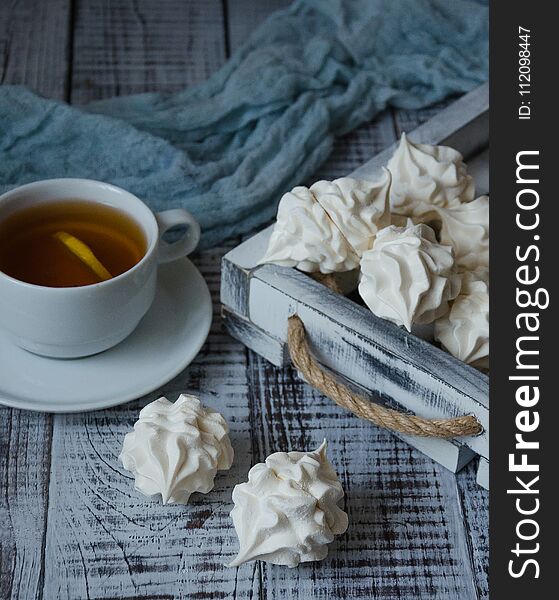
(71, 524)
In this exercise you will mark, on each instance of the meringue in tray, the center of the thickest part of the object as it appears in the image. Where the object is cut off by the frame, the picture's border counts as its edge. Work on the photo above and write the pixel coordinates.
(328, 226)
(408, 277)
(176, 449)
(287, 512)
(414, 233)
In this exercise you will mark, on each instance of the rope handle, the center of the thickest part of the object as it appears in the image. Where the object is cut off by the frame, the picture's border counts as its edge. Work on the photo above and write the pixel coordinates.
(388, 418)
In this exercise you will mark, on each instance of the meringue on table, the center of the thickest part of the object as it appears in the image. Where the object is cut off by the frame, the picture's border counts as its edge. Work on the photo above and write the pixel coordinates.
(287, 512)
(176, 449)
(408, 277)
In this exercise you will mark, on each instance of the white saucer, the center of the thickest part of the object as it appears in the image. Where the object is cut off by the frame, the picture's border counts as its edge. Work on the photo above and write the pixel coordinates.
(165, 342)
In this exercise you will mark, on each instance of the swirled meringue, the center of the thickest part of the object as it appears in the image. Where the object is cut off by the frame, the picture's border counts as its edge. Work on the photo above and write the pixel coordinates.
(358, 208)
(464, 331)
(466, 229)
(177, 448)
(305, 237)
(435, 175)
(408, 277)
(287, 512)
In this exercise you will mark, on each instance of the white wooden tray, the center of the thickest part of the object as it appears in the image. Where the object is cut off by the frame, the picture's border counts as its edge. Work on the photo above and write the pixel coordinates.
(389, 364)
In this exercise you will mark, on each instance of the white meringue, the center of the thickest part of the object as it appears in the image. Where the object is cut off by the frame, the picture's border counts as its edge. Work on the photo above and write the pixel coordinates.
(435, 175)
(464, 331)
(177, 448)
(408, 277)
(287, 512)
(357, 207)
(466, 229)
(305, 237)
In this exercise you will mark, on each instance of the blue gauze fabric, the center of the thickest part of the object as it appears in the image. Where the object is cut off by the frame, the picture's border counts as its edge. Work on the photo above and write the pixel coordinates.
(227, 149)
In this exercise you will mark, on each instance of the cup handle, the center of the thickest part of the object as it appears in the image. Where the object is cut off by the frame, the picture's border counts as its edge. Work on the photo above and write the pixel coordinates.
(183, 246)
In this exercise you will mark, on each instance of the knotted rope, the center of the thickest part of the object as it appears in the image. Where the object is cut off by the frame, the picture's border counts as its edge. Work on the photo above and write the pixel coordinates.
(379, 415)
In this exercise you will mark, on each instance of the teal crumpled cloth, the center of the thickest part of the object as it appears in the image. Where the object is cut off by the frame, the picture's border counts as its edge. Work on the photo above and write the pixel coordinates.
(227, 149)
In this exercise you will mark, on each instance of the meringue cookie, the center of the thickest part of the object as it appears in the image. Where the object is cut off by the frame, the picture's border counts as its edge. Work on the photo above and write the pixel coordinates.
(464, 331)
(305, 237)
(357, 207)
(176, 449)
(421, 173)
(466, 229)
(408, 277)
(287, 512)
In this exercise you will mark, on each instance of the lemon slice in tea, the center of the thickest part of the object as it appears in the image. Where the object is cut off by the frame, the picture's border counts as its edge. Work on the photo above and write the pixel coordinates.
(84, 253)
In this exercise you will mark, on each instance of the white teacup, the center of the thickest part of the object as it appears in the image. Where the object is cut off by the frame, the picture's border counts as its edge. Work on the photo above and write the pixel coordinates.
(69, 322)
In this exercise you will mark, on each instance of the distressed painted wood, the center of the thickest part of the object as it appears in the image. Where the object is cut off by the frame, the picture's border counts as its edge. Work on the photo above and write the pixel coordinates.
(244, 16)
(406, 537)
(71, 525)
(131, 46)
(483, 472)
(451, 454)
(25, 440)
(34, 45)
(34, 40)
(376, 354)
(473, 505)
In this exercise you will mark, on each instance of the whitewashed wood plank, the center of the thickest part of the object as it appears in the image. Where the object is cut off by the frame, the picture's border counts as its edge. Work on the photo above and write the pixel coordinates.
(405, 537)
(131, 46)
(34, 41)
(275, 351)
(104, 539)
(244, 16)
(373, 353)
(483, 473)
(33, 52)
(474, 502)
(25, 445)
(450, 454)
(236, 269)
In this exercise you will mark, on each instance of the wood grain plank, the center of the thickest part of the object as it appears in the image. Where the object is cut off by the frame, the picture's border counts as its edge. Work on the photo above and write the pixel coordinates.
(34, 40)
(25, 445)
(106, 540)
(405, 538)
(473, 499)
(244, 16)
(35, 45)
(474, 502)
(131, 46)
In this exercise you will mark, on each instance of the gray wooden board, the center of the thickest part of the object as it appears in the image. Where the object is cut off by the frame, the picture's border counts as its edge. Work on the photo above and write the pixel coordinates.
(33, 50)
(450, 454)
(71, 525)
(483, 472)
